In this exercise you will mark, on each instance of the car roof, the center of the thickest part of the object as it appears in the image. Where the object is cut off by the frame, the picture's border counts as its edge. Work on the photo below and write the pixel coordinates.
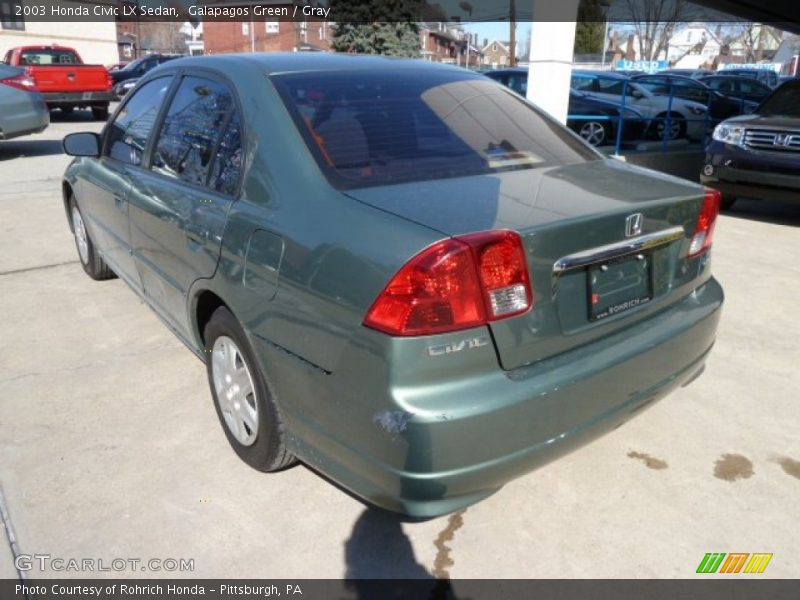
(723, 76)
(286, 62)
(507, 70)
(610, 74)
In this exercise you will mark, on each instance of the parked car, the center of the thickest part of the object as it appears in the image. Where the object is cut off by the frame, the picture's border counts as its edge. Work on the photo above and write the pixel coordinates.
(758, 155)
(693, 73)
(63, 79)
(720, 106)
(596, 132)
(738, 87)
(125, 86)
(141, 66)
(22, 108)
(765, 76)
(604, 130)
(396, 271)
(666, 119)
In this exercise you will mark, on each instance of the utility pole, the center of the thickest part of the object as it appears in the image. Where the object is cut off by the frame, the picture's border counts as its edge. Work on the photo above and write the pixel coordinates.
(512, 44)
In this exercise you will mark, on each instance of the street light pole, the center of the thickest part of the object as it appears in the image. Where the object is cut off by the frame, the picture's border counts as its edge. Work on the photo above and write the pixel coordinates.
(605, 5)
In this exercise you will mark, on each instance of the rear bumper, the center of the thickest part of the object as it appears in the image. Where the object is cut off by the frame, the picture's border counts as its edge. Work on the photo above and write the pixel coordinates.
(32, 122)
(78, 98)
(441, 446)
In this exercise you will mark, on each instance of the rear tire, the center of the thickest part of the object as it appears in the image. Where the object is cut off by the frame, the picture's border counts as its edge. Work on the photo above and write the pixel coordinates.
(242, 395)
(676, 129)
(67, 110)
(100, 113)
(92, 263)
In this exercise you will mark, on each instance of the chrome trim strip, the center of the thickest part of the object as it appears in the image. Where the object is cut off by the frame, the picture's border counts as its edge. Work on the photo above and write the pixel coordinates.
(601, 253)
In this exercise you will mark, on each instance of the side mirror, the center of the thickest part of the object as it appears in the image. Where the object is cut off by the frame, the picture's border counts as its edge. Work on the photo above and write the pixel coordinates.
(82, 144)
(637, 94)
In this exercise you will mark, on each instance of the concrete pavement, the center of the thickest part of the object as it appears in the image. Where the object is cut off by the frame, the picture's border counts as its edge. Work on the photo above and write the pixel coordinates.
(110, 447)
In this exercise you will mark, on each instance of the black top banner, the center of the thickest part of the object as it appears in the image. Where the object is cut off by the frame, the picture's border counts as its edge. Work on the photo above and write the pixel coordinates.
(381, 11)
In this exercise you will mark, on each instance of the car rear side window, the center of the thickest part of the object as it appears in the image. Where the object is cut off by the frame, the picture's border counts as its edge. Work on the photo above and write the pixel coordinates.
(368, 128)
(128, 133)
(188, 138)
(227, 164)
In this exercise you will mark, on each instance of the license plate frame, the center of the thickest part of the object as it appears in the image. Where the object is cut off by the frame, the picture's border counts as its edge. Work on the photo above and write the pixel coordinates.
(619, 285)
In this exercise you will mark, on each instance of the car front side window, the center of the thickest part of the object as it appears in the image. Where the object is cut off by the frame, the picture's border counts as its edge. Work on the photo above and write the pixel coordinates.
(128, 133)
(188, 138)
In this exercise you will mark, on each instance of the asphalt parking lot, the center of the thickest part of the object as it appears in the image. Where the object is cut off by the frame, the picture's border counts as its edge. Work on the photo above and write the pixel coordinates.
(110, 447)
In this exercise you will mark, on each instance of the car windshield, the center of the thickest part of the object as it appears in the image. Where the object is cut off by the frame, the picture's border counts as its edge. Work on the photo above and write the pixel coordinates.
(133, 65)
(49, 57)
(784, 102)
(368, 128)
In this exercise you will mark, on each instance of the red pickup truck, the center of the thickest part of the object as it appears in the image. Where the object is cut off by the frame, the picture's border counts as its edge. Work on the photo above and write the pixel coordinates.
(63, 79)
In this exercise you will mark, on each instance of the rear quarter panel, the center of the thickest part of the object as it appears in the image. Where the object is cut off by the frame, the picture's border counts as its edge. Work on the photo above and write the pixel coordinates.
(338, 253)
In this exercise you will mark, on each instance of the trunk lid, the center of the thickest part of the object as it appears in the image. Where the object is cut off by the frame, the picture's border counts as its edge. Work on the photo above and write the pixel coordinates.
(572, 220)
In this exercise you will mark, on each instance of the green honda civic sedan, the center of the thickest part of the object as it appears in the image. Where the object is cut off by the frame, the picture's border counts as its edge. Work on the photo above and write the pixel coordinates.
(401, 273)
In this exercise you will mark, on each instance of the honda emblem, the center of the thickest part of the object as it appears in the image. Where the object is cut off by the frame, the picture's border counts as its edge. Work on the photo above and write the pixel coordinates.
(633, 225)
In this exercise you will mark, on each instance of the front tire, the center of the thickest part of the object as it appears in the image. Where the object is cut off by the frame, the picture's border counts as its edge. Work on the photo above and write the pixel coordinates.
(242, 395)
(92, 263)
(595, 133)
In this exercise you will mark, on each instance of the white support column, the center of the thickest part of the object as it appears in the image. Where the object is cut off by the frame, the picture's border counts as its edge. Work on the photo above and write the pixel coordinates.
(552, 50)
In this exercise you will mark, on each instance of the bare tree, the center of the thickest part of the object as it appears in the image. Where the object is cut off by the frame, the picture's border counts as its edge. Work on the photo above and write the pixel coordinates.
(655, 21)
(752, 37)
(162, 36)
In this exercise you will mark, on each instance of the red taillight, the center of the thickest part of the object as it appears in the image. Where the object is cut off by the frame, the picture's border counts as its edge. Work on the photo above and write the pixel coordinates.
(704, 230)
(23, 81)
(456, 284)
(503, 272)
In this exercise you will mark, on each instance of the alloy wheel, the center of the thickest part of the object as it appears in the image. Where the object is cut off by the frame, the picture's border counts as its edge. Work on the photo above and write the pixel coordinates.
(593, 132)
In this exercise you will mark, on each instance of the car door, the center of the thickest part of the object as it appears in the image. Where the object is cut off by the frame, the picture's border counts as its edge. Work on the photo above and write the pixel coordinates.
(612, 90)
(103, 190)
(178, 207)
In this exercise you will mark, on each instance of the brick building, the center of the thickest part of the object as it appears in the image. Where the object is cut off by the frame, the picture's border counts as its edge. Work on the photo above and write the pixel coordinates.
(265, 36)
(448, 43)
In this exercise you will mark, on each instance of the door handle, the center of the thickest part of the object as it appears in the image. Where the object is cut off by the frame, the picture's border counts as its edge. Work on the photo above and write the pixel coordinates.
(197, 234)
(119, 201)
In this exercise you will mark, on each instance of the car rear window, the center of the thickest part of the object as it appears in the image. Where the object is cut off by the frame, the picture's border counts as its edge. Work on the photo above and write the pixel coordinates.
(784, 102)
(368, 128)
(49, 57)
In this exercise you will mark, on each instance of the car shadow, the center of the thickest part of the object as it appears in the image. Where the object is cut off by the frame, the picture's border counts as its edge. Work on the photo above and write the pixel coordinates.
(776, 213)
(380, 561)
(27, 148)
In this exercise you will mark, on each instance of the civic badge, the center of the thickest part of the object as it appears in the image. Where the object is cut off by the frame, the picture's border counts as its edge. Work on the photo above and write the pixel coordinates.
(633, 225)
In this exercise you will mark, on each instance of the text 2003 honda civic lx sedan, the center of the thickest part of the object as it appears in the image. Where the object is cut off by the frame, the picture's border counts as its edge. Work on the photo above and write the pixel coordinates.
(400, 273)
